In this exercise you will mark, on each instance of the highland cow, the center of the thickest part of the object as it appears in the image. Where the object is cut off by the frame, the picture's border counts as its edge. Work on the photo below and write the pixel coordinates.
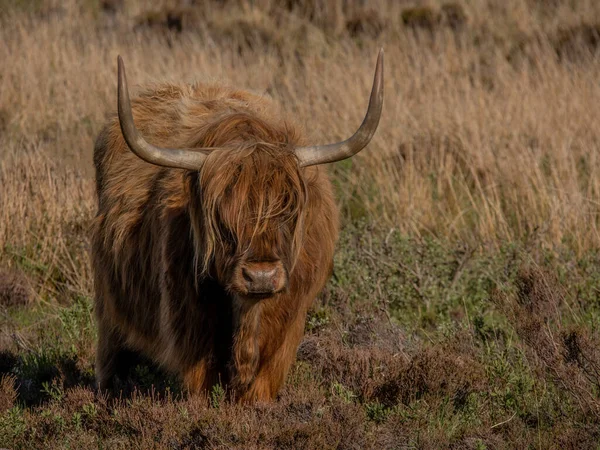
(212, 241)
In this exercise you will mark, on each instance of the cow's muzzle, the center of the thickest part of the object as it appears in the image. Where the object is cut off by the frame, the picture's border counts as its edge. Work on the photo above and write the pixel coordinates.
(260, 279)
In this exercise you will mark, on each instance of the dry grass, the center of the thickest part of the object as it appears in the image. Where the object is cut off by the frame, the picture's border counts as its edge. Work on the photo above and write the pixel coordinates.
(485, 165)
(472, 145)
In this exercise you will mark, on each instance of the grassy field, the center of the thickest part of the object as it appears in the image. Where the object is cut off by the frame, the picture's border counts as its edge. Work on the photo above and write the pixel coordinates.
(464, 310)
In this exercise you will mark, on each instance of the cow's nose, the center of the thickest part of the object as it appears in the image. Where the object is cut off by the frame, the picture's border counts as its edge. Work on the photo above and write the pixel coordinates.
(262, 278)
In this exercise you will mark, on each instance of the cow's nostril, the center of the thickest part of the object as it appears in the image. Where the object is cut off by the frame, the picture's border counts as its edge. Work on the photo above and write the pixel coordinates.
(247, 275)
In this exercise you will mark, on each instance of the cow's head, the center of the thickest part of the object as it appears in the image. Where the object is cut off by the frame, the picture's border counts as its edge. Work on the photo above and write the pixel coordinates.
(251, 204)
(249, 196)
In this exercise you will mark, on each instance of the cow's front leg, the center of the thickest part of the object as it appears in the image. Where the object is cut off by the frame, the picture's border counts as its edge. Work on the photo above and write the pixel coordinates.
(245, 349)
(278, 353)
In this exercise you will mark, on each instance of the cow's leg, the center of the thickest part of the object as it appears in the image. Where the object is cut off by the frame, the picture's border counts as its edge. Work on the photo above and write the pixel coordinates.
(245, 349)
(198, 378)
(273, 371)
(113, 359)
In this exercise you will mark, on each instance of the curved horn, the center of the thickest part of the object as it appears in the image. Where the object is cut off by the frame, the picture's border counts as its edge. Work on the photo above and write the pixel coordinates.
(322, 154)
(185, 158)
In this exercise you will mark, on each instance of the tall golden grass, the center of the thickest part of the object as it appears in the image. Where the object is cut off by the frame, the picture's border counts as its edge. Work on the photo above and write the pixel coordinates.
(489, 132)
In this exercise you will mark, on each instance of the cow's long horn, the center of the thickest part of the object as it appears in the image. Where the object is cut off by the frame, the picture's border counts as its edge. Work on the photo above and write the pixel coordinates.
(322, 154)
(181, 158)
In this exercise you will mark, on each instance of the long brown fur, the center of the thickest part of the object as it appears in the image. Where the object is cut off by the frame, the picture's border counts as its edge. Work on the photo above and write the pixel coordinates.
(166, 242)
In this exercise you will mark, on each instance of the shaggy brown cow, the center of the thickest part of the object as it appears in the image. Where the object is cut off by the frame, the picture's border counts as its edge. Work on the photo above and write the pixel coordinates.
(209, 250)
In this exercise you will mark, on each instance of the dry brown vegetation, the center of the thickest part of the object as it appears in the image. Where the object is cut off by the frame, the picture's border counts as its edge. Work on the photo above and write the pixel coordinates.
(464, 307)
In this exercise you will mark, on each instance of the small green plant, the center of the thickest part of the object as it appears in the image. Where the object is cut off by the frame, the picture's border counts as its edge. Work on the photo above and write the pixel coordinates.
(377, 412)
(479, 445)
(77, 321)
(89, 410)
(341, 391)
(59, 421)
(183, 411)
(77, 420)
(217, 396)
(317, 319)
(12, 425)
(144, 376)
(53, 390)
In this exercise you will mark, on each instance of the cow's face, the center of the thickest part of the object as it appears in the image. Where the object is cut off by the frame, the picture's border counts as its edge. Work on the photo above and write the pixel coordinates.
(252, 204)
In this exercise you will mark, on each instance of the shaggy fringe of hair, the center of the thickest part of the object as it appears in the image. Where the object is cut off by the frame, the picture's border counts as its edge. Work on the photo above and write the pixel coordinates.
(250, 187)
